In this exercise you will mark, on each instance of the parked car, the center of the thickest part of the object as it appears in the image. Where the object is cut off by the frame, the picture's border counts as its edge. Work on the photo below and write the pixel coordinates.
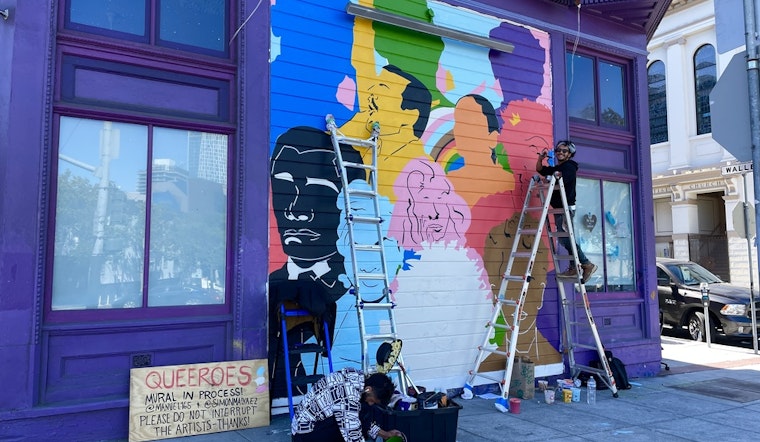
(679, 284)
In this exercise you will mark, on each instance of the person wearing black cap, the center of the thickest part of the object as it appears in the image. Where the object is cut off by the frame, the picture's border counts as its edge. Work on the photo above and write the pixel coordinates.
(564, 151)
(339, 407)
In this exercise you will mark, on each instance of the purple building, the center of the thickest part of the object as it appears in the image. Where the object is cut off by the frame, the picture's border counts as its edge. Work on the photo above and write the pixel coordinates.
(148, 202)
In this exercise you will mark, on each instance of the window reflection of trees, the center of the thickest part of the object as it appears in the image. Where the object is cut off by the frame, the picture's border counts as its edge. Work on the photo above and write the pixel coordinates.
(99, 248)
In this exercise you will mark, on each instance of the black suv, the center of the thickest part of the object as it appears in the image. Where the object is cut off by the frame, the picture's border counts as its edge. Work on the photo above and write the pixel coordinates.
(679, 286)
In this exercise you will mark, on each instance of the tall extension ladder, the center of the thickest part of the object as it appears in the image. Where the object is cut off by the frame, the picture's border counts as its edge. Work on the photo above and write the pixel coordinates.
(540, 190)
(374, 258)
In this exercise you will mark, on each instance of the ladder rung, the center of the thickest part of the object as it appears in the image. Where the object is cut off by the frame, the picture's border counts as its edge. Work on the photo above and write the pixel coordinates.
(500, 326)
(365, 219)
(372, 276)
(297, 312)
(589, 369)
(356, 141)
(516, 278)
(308, 379)
(367, 247)
(358, 165)
(522, 255)
(306, 348)
(527, 231)
(509, 302)
(497, 380)
(586, 346)
(380, 337)
(559, 234)
(534, 208)
(565, 277)
(494, 351)
(377, 305)
(362, 192)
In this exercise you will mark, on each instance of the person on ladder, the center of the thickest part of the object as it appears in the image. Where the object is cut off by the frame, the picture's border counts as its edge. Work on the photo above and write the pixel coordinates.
(564, 151)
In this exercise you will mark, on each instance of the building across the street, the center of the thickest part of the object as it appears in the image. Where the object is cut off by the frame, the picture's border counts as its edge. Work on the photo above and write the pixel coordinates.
(699, 192)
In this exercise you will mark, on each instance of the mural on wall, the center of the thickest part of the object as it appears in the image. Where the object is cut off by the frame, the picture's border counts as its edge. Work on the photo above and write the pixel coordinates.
(460, 127)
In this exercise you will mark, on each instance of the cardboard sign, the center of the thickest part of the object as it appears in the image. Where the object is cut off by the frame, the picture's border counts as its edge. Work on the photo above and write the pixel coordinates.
(185, 400)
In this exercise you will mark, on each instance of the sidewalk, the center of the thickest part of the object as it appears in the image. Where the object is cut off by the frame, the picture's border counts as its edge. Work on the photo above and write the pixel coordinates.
(708, 394)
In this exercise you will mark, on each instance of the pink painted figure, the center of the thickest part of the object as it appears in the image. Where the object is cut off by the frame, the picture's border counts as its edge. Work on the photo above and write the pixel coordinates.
(427, 209)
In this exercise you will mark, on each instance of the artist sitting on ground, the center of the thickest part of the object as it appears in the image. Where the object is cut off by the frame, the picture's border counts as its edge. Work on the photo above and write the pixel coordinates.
(340, 408)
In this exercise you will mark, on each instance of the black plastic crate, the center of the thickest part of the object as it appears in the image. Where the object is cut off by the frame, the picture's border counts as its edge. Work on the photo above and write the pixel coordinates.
(428, 425)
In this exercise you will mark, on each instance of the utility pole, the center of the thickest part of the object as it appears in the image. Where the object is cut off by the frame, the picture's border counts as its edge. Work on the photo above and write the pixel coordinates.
(753, 80)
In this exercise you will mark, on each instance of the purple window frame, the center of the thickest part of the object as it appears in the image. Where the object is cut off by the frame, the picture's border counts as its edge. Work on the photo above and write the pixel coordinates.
(219, 75)
(69, 64)
(625, 66)
(145, 311)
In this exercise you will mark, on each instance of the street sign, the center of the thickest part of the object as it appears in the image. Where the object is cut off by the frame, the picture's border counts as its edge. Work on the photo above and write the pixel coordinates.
(729, 109)
(728, 36)
(735, 169)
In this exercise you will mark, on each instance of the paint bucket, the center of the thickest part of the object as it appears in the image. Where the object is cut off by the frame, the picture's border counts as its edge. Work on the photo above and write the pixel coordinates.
(576, 394)
(567, 396)
(549, 396)
(514, 405)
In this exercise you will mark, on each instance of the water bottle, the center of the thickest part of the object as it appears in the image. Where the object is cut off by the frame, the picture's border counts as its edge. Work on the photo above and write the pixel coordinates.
(591, 393)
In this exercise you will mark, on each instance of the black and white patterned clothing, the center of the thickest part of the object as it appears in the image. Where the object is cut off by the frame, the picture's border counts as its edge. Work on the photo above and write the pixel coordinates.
(336, 395)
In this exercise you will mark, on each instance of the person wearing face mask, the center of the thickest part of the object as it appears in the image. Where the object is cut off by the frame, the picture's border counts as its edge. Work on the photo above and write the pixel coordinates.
(567, 168)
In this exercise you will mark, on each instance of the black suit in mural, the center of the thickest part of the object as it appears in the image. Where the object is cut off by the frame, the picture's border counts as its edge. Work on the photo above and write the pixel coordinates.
(305, 187)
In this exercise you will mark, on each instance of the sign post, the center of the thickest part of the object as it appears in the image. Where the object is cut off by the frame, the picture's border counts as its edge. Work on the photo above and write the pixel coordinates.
(743, 169)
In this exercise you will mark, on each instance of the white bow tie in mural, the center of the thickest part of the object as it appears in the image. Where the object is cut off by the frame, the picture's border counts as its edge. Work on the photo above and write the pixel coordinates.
(319, 269)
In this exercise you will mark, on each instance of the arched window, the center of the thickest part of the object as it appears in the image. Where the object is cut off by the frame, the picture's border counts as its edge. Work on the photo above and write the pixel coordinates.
(705, 76)
(658, 108)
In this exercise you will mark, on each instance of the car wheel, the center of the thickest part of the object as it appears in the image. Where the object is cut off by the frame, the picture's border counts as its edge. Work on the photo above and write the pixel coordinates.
(697, 328)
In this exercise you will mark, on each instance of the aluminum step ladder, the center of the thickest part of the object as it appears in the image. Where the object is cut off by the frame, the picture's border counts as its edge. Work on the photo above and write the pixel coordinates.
(540, 190)
(365, 236)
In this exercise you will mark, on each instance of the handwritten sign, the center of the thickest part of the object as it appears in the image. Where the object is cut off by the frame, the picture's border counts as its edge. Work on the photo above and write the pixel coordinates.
(185, 400)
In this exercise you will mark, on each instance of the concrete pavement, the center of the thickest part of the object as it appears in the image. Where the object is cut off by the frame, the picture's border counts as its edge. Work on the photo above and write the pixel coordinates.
(708, 394)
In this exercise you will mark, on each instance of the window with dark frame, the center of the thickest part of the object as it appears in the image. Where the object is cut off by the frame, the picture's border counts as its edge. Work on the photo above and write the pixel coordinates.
(140, 184)
(138, 207)
(705, 77)
(199, 26)
(598, 96)
(596, 91)
(658, 108)
(604, 230)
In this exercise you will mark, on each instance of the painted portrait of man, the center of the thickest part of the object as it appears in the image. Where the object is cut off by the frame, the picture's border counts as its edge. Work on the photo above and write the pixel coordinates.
(305, 180)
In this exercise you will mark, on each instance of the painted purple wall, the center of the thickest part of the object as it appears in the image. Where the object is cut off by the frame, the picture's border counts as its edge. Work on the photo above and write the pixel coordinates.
(23, 134)
(26, 138)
